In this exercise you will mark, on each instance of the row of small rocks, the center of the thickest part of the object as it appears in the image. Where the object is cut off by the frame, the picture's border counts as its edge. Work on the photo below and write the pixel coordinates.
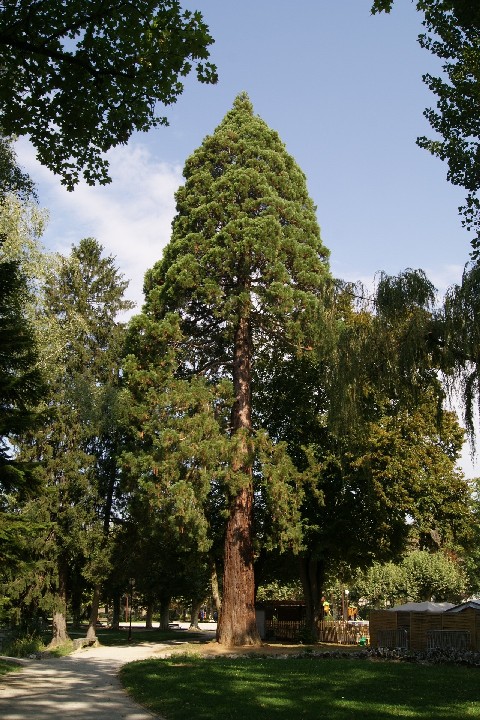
(432, 657)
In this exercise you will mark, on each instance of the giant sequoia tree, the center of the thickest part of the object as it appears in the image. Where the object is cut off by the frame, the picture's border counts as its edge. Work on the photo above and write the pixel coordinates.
(244, 274)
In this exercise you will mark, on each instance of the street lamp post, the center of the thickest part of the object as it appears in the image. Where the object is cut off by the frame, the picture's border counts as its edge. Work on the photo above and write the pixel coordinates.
(131, 608)
(345, 604)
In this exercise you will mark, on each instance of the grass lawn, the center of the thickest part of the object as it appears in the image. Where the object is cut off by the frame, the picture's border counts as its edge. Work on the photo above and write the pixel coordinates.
(139, 635)
(109, 637)
(192, 688)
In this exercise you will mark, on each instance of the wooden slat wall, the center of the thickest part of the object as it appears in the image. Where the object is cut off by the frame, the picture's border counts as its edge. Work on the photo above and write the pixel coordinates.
(381, 620)
(418, 624)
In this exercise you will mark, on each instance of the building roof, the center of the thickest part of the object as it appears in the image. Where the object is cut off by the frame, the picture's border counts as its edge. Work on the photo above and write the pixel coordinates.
(423, 607)
(474, 604)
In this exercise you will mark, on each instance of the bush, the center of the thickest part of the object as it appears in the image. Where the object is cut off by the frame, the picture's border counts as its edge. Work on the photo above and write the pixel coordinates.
(23, 646)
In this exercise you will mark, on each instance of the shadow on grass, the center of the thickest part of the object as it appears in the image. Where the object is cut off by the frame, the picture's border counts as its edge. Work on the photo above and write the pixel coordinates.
(183, 687)
(120, 638)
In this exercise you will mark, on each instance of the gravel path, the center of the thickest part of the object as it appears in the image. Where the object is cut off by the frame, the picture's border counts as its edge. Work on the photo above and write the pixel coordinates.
(83, 685)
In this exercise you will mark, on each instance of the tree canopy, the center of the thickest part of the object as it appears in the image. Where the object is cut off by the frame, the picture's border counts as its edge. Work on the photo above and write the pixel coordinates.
(80, 77)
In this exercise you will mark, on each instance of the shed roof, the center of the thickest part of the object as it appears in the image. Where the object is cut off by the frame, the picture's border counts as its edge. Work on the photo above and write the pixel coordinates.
(423, 607)
(474, 604)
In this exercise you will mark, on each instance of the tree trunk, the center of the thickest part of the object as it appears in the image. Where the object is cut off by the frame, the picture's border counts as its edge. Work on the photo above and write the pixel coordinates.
(215, 590)
(116, 611)
(237, 624)
(76, 605)
(195, 609)
(91, 632)
(59, 618)
(165, 614)
(312, 575)
(149, 616)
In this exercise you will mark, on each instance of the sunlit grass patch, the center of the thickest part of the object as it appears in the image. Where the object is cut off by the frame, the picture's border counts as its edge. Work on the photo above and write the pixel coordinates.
(194, 688)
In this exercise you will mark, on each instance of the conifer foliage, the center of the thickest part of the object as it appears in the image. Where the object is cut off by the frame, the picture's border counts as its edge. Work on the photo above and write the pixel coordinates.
(245, 273)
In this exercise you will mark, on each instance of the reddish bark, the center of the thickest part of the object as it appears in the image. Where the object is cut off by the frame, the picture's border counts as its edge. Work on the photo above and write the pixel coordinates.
(237, 623)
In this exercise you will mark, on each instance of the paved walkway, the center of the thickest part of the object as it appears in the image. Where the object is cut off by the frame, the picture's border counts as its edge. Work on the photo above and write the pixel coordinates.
(83, 686)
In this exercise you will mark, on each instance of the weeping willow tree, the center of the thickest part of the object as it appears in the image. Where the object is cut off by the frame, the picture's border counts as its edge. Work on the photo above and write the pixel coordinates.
(461, 342)
(371, 413)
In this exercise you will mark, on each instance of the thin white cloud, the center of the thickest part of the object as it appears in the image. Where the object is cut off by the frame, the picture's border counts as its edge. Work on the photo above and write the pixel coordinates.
(131, 217)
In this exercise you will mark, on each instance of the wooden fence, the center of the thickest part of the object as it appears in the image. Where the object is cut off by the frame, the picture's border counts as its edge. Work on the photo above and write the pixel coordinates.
(424, 630)
(333, 631)
(344, 633)
(284, 630)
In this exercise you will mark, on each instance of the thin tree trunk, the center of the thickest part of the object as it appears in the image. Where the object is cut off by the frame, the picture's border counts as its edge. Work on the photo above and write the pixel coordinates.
(91, 632)
(195, 609)
(76, 605)
(215, 590)
(59, 618)
(237, 623)
(312, 575)
(116, 611)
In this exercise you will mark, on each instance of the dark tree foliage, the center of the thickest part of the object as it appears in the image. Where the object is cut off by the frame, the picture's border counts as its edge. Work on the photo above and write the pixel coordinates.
(460, 341)
(21, 384)
(80, 77)
(12, 178)
(73, 447)
(370, 414)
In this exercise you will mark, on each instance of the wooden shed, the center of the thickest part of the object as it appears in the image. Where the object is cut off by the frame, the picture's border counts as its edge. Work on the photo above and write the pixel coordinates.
(457, 629)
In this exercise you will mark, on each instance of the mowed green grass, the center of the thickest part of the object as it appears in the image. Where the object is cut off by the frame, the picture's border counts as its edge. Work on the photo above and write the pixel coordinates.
(140, 635)
(193, 688)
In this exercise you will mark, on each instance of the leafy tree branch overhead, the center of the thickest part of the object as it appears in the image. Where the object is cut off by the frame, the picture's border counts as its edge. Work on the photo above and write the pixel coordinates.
(80, 77)
(453, 35)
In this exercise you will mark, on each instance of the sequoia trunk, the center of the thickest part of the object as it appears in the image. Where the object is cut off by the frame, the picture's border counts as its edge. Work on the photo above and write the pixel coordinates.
(237, 624)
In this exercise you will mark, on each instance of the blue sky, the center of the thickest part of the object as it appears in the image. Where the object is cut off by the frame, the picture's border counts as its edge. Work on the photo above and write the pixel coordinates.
(344, 90)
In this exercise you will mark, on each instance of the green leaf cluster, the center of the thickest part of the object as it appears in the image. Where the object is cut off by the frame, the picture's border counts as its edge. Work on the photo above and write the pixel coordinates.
(80, 77)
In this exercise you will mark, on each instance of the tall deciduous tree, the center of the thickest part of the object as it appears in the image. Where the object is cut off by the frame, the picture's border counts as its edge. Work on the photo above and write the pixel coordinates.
(244, 273)
(370, 414)
(460, 341)
(80, 77)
